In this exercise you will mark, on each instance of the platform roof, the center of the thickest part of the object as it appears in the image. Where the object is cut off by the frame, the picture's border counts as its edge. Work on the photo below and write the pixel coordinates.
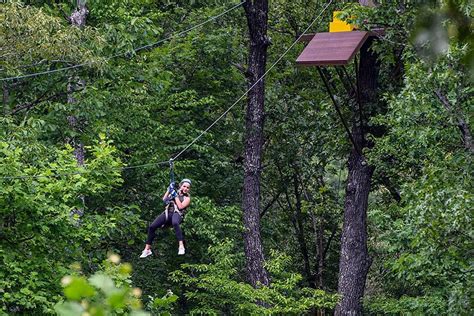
(336, 48)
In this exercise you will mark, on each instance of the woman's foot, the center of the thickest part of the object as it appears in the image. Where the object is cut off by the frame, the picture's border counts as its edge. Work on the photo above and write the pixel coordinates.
(146, 253)
(181, 250)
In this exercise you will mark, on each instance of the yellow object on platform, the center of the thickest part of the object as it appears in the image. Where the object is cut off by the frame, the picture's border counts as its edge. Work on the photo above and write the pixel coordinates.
(338, 25)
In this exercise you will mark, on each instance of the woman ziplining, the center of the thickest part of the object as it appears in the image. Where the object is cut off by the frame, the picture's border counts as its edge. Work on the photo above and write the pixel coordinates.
(177, 201)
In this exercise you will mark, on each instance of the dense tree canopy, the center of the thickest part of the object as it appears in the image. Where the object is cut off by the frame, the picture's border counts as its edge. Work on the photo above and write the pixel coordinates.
(154, 76)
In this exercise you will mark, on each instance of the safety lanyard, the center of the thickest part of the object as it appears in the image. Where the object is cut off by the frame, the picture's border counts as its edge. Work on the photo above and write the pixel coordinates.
(171, 171)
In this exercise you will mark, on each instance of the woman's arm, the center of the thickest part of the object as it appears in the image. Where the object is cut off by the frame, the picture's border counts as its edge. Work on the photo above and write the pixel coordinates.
(167, 193)
(184, 204)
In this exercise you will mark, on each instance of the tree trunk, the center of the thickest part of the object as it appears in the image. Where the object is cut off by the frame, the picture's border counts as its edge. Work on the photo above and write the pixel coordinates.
(300, 229)
(321, 248)
(319, 230)
(79, 15)
(73, 85)
(257, 17)
(355, 261)
(368, 3)
(78, 19)
(6, 98)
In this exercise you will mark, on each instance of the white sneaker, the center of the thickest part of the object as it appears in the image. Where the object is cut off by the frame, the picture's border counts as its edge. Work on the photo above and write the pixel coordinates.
(181, 251)
(146, 253)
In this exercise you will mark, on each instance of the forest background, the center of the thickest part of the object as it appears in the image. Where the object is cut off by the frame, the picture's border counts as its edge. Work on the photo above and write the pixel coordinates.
(84, 159)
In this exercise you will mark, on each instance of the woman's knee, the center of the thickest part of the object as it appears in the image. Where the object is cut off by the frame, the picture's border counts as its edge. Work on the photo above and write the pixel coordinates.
(150, 229)
(176, 221)
(153, 227)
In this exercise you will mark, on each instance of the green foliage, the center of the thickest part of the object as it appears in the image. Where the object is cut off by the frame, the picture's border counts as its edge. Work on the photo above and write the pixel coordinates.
(40, 206)
(205, 224)
(446, 23)
(31, 38)
(164, 305)
(210, 223)
(146, 106)
(426, 28)
(421, 244)
(424, 241)
(431, 305)
(126, 24)
(215, 287)
(429, 244)
(106, 292)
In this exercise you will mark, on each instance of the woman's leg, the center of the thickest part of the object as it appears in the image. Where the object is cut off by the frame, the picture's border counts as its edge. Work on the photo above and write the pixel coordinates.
(176, 220)
(158, 222)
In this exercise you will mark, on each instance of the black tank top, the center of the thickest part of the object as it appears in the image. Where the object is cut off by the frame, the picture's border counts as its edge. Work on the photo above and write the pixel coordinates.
(181, 199)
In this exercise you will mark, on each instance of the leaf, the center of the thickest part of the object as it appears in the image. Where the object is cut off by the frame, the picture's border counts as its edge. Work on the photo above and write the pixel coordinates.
(78, 289)
(103, 282)
(69, 309)
(117, 299)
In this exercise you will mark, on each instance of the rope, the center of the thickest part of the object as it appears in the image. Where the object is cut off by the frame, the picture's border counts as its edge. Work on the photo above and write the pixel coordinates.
(256, 82)
(127, 52)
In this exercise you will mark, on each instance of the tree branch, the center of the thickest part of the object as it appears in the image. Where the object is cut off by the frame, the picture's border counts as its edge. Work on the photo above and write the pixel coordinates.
(243, 70)
(394, 192)
(65, 15)
(462, 125)
(328, 243)
(17, 241)
(42, 98)
(273, 200)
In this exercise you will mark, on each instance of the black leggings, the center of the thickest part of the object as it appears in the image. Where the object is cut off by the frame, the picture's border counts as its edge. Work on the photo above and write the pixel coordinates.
(173, 218)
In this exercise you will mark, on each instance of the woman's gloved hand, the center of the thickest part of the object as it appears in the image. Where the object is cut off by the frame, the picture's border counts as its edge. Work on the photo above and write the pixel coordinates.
(171, 188)
(173, 194)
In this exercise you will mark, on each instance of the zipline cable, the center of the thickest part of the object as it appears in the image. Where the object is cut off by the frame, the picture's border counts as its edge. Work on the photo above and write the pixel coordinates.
(210, 126)
(43, 176)
(81, 172)
(127, 52)
(256, 82)
(144, 165)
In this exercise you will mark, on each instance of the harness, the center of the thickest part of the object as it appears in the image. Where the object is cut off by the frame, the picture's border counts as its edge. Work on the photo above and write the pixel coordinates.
(172, 208)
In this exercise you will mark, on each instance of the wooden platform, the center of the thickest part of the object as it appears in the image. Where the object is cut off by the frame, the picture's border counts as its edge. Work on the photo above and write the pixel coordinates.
(332, 48)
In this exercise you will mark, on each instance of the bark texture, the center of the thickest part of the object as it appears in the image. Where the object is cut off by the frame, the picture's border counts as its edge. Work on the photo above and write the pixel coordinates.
(78, 18)
(6, 98)
(79, 15)
(355, 261)
(257, 17)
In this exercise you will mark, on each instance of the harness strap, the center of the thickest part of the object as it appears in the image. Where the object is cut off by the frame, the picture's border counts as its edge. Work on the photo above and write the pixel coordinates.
(171, 181)
(175, 208)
